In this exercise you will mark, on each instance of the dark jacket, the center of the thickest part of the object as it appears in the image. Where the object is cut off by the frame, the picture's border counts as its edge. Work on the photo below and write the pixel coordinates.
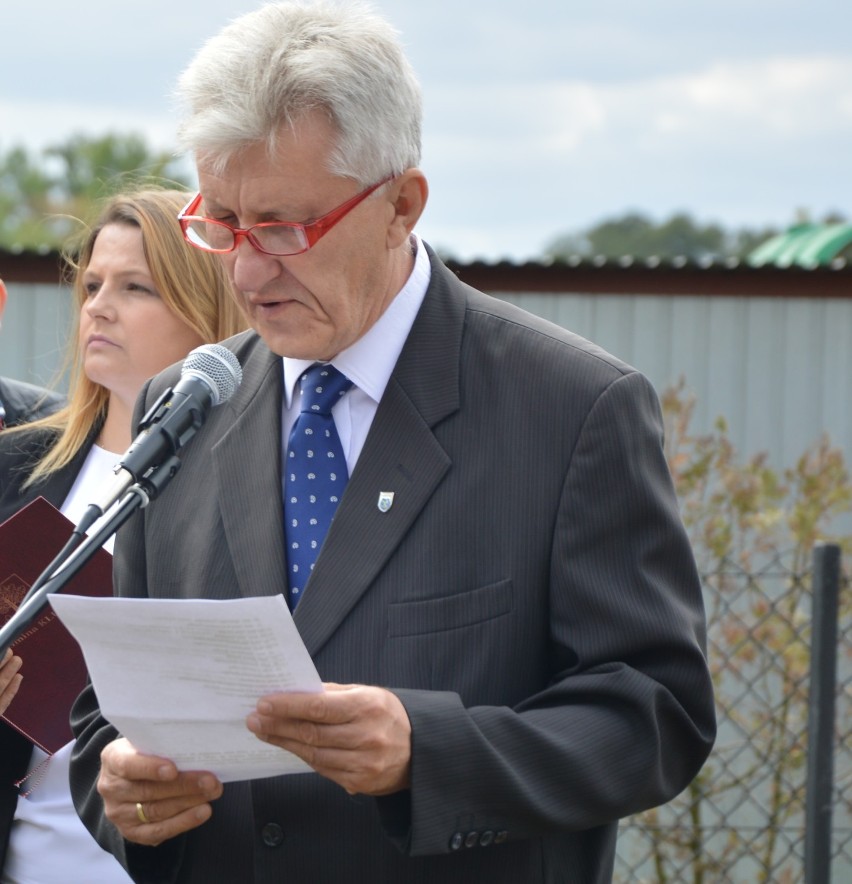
(531, 598)
(21, 403)
(19, 452)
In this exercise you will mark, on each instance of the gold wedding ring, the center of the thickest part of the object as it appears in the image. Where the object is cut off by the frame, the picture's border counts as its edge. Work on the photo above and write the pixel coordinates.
(140, 814)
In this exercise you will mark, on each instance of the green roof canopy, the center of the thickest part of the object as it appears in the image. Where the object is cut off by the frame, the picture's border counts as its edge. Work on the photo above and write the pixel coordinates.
(805, 245)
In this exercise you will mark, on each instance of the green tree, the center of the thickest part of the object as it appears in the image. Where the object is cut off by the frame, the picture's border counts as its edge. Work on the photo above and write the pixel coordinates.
(44, 196)
(637, 235)
(25, 198)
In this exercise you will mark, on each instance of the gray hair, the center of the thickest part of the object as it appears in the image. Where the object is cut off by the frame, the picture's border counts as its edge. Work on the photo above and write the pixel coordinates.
(270, 67)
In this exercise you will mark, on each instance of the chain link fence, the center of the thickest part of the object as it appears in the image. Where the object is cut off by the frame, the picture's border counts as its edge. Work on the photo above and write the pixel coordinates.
(744, 817)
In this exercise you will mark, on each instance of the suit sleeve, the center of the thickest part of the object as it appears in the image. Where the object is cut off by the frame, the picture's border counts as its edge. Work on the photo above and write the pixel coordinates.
(627, 718)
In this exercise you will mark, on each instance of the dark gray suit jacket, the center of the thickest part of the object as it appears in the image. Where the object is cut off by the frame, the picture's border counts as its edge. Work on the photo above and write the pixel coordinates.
(530, 596)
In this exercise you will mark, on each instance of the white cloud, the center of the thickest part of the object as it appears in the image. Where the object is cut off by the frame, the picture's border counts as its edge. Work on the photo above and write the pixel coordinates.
(37, 124)
(745, 143)
(790, 98)
(724, 106)
(512, 164)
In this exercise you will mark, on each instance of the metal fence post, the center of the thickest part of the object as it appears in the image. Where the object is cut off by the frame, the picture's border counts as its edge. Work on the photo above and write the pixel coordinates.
(821, 703)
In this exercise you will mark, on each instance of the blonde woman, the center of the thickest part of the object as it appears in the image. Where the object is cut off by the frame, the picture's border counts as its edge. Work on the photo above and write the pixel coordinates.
(144, 300)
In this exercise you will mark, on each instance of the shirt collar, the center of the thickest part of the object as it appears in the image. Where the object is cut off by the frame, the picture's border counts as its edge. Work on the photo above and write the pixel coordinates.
(369, 362)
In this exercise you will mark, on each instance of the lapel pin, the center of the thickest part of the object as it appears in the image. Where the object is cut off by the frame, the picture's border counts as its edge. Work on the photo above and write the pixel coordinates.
(385, 501)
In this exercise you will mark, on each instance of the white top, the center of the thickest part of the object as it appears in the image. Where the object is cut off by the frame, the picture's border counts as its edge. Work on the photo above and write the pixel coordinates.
(48, 843)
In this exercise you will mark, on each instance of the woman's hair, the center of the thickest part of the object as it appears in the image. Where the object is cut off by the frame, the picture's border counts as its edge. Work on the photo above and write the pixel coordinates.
(270, 67)
(192, 284)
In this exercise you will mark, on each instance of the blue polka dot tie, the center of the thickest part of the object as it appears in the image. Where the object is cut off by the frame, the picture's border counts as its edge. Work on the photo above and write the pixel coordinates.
(316, 474)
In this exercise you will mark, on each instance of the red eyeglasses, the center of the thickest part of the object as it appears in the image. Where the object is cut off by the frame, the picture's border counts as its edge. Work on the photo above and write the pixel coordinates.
(270, 237)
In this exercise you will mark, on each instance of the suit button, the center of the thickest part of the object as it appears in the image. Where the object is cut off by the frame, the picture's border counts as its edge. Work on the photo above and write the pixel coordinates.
(500, 837)
(471, 839)
(456, 841)
(272, 835)
(486, 838)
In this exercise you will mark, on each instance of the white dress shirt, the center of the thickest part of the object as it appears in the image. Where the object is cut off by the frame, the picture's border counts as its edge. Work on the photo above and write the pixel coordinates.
(368, 363)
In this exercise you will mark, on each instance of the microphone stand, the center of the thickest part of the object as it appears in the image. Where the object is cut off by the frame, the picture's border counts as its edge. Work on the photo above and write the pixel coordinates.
(71, 560)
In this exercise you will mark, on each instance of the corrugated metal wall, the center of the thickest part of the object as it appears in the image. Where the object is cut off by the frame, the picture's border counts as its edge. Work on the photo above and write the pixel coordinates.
(778, 369)
(35, 326)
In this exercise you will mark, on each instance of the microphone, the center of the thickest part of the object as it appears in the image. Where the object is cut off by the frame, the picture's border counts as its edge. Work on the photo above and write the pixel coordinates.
(209, 376)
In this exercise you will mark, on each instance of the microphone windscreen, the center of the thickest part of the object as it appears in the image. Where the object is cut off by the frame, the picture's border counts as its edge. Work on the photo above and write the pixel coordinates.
(217, 367)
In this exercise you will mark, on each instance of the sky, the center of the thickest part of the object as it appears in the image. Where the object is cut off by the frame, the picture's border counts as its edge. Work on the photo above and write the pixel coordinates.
(541, 118)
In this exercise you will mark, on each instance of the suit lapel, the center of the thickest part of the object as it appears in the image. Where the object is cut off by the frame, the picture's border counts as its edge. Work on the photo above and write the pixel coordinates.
(57, 485)
(247, 467)
(400, 455)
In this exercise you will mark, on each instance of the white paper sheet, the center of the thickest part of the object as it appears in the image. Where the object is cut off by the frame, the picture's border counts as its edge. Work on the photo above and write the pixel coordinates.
(178, 677)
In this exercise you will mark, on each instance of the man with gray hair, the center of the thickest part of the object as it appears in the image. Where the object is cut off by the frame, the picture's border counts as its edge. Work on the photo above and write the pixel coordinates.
(468, 509)
(20, 402)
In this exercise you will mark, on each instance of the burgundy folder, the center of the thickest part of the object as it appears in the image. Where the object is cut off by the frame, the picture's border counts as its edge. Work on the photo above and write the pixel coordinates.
(54, 671)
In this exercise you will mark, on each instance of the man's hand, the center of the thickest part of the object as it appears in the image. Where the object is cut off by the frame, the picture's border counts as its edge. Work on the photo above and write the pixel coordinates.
(357, 736)
(147, 799)
(10, 679)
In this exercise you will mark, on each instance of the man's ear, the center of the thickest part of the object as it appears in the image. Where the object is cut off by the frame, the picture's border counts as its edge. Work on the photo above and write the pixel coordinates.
(3, 296)
(408, 193)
